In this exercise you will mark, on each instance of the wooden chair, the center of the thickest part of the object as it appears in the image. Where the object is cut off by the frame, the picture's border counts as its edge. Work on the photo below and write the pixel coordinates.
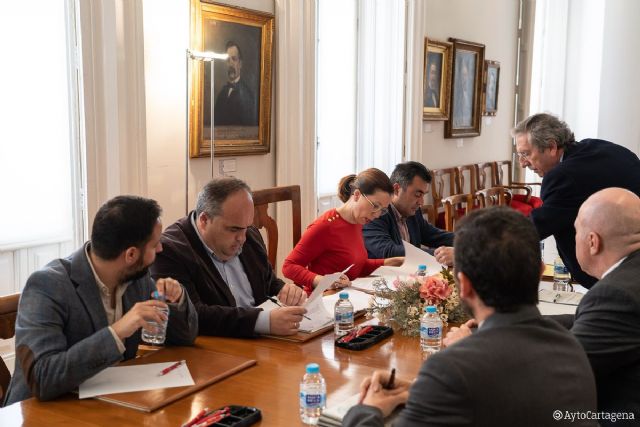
(494, 196)
(485, 175)
(467, 174)
(524, 203)
(443, 184)
(261, 200)
(8, 313)
(455, 207)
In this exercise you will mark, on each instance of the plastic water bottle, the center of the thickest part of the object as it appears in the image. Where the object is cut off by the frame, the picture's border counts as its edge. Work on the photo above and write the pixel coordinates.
(343, 315)
(561, 276)
(430, 331)
(422, 270)
(313, 395)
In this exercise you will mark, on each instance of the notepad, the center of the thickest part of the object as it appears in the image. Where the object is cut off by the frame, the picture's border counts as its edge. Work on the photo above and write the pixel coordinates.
(559, 297)
(332, 416)
(124, 379)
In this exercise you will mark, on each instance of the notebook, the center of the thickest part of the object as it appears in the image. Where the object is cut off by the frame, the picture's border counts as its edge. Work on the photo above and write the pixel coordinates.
(206, 367)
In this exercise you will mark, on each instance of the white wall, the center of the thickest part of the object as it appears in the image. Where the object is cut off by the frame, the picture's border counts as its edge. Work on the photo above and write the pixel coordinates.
(493, 23)
(619, 84)
(166, 37)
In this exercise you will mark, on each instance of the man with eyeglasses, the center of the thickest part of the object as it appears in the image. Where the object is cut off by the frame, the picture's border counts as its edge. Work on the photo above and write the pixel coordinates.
(571, 171)
(383, 236)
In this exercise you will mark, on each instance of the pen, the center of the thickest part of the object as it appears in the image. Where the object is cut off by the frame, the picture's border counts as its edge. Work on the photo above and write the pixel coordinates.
(276, 302)
(168, 369)
(392, 378)
(346, 269)
(197, 418)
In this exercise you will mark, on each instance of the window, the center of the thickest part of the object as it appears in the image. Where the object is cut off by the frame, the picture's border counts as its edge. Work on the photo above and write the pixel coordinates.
(38, 148)
(360, 87)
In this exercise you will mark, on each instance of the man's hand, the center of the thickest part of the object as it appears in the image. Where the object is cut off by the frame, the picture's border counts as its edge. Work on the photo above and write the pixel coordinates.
(170, 288)
(285, 320)
(444, 255)
(138, 316)
(373, 393)
(456, 334)
(291, 294)
(396, 261)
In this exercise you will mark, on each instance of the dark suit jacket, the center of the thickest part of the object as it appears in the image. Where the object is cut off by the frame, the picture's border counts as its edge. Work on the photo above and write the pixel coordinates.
(587, 167)
(516, 370)
(62, 334)
(607, 324)
(382, 236)
(185, 259)
(238, 108)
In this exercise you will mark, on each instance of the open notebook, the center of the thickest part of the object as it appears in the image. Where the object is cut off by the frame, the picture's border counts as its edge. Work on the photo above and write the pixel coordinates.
(332, 416)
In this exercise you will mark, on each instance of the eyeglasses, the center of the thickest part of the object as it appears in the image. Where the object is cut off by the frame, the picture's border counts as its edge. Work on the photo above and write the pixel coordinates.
(376, 208)
(523, 155)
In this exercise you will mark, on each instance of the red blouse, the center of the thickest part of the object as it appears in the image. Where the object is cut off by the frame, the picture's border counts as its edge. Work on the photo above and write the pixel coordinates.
(329, 245)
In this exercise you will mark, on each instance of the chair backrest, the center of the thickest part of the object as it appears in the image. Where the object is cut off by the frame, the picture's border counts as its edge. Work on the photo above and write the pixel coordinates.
(455, 207)
(494, 196)
(444, 183)
(261, 201)
(486, 175)
(503, 174)
(467, 174)
(8, 313)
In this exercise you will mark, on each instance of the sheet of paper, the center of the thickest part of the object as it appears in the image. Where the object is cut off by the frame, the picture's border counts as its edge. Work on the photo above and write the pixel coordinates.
(413, 257)
(360, 300)
(122, 379)
(559, 297)
(316, 310)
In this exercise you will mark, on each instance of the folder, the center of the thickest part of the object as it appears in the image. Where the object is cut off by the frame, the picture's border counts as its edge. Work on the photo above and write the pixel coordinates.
(206, 367)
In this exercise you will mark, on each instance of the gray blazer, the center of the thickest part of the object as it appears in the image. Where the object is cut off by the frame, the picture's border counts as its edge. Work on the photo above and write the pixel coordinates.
(607, 324)
(62, 335)
(515, 371)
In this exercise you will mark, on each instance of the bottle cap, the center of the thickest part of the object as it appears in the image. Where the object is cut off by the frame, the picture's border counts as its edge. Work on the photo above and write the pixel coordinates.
(158, 296)
(431, 309)
(344, 295)
(422, 267)
(313, 368)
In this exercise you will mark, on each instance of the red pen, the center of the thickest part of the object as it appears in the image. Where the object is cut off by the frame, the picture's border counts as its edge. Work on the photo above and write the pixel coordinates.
(214, 418)
(197, 418)
(170, 368)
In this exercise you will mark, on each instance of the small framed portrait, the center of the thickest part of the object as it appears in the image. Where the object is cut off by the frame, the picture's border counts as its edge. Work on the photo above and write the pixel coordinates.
(437, 79)
(241, 84)
(466, 90)
(491, 83)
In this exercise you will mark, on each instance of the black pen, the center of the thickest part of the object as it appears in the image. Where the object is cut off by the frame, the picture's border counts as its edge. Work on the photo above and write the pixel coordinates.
(392, 378)
(276, 302)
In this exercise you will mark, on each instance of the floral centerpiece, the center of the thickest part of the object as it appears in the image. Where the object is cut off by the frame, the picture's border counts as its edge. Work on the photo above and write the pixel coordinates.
(404, 301)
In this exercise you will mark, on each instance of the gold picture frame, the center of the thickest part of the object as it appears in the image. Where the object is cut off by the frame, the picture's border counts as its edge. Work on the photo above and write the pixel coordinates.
(466, 90)
(242, 83)
(436, 80)
(491, 85)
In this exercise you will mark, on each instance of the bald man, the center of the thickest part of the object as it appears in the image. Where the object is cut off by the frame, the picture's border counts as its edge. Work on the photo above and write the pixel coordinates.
(607, 321)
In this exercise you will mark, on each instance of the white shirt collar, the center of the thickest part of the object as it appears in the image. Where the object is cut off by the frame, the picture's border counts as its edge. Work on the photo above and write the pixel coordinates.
(613, 267)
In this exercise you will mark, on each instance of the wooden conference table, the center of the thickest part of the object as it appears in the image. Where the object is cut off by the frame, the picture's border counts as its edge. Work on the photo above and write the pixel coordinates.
(272, 385)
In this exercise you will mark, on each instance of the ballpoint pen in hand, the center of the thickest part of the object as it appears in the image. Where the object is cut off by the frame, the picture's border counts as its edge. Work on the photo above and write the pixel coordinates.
(279, 304)
(392, 378)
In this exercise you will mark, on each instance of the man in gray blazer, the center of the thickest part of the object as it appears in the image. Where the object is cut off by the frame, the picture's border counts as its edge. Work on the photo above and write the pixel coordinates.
(607, 321)
(80, 315)
(518, 369)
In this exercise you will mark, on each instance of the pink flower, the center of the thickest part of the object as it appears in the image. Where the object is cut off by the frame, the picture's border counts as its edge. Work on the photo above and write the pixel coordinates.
(435, 289)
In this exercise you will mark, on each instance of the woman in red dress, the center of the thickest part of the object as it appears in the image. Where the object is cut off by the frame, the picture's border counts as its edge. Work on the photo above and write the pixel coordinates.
(334, 241)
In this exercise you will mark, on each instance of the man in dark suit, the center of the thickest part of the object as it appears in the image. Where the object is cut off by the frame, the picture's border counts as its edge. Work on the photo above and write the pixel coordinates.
(518, 369)
(236, 103)
(607, 322)
(217, 254)
(404, 221)
(80, 315)
(571, 171)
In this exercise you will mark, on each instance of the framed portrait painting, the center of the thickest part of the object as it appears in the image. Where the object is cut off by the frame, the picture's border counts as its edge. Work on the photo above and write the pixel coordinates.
(241, 84)
(466, 90)
(491, 84)
(437, 79)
